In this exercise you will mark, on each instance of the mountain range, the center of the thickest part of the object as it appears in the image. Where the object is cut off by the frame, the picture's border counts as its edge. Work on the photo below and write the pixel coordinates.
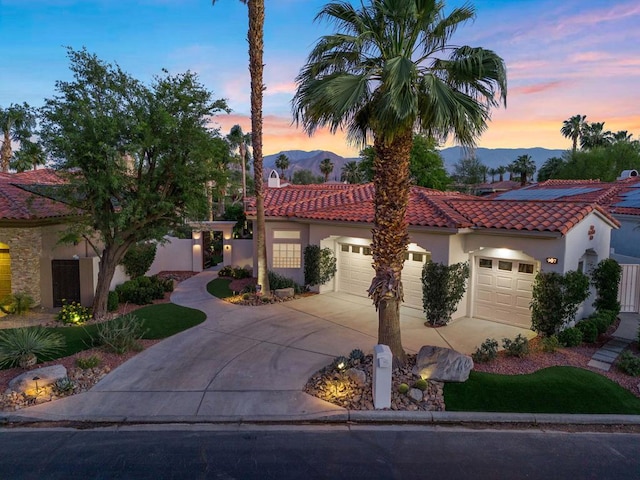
(491, 157)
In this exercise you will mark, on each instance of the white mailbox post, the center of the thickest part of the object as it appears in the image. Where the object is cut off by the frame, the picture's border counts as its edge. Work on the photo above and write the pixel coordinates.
(382, 367)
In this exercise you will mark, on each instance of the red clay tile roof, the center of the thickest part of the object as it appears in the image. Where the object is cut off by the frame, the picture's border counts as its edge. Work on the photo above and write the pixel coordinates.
(16, 203)
(427, 208)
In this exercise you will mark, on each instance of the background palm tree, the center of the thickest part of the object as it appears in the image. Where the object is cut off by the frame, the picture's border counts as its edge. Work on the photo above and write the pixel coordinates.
(573, 128)
(594, 135)
(256, 69)
(17, 123)
(282, 163)
(351, 172)
(326, 167)
(500, 171)
(524, 167)
(388, 69)
(493, 172)
(241, 141)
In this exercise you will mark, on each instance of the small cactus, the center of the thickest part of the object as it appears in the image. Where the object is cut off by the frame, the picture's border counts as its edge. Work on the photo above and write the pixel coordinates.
(341, 363)
(403, 388)
(421, 384)
(356, 354)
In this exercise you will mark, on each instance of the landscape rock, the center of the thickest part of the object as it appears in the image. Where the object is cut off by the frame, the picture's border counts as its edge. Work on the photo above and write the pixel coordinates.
(357, 376)
(442, 364)
(415, 394)
(46, 376)
(284, 292)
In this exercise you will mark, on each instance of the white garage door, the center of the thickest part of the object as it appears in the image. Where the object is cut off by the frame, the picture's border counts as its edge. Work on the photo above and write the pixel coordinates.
(355, 273)
(503, 290)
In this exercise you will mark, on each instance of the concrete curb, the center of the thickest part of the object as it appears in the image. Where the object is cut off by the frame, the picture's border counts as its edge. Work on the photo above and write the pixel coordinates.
(380, 417)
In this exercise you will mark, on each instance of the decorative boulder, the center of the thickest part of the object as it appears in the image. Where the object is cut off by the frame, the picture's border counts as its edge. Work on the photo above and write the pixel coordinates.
(284, 292)
(442, 364)
(45, 376)
(358, 376)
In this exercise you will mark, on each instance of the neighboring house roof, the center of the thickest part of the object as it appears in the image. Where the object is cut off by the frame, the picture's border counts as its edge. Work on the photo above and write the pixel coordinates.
(619, 197)
(493, 187)
(427, 208)
(18, 203)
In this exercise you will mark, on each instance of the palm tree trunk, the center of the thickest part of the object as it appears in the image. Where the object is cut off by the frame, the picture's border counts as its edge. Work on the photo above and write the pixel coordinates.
(390, 236)
(5, 152)
(256, 67)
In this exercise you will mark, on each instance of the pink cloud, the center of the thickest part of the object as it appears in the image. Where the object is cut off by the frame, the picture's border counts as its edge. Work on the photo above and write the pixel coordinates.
(536, 88)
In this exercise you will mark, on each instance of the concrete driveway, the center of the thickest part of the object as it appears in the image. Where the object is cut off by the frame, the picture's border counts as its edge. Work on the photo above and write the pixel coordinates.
(250, 363)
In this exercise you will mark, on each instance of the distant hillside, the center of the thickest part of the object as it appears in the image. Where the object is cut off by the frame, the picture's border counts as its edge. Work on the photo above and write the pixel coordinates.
(495, 157)
(301, 160)
(491, 157)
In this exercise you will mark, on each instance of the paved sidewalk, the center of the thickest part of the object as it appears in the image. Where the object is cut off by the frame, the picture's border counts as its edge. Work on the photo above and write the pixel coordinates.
(249, 364)
(626, 333)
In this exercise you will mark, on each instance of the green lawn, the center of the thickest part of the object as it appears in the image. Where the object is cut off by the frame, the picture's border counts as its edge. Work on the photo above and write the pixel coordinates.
(160, 321)
(550, 390)
(219, 287)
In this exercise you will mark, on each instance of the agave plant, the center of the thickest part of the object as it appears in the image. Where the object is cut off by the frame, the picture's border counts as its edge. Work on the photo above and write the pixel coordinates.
(22, 346)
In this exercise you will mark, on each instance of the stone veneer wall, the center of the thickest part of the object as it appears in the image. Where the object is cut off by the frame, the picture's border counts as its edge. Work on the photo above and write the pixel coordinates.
(25, 249)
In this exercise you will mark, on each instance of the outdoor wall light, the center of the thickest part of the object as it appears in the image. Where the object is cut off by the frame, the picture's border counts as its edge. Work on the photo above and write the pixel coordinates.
(552, 260)
(196, 235)
(227, 247)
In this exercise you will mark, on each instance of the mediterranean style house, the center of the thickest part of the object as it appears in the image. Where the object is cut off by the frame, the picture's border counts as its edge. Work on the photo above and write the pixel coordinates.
(505, 242)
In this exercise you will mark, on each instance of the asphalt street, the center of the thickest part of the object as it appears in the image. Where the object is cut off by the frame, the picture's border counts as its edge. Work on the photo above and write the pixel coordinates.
(281, 452)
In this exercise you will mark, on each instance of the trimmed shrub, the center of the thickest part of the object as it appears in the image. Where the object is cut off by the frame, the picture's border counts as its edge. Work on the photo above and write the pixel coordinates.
(138, 259)
(571, 337)
(442, 288)
(277, 281)
(403, 388)
(141, 290)
(20, 346)
(319, 265)
(236, 273)
(605, 277)
(18, 303)
(600, 321)
(610, 315)
(589, 331)
(73, 313)
(556, 299)
(518, 347)
(112, 301)
(421, 384)
(122, 334)
(486, 352)
(629, 363)
(550, 344)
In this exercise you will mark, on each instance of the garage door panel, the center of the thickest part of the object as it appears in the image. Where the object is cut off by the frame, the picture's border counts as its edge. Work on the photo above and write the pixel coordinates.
(502, 294)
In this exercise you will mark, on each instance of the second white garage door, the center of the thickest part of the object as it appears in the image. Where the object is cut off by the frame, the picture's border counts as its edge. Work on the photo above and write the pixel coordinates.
(503, 290)
(355, 273)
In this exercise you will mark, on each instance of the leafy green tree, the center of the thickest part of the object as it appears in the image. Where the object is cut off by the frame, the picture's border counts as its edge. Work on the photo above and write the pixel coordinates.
(255, 38)
(388, 69)
(17, 124)
(326, 167)
(524, 167)
(282, 163)
(305, 177)
(427, 167)
(551, 168)
(573, 128)
(469, 171)
(136, 156)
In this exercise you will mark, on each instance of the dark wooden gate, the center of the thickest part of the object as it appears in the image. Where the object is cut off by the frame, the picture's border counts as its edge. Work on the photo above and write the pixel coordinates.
(66, 281)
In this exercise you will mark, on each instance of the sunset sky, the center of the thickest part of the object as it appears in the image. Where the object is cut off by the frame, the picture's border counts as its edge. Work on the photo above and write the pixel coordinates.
(563, 58)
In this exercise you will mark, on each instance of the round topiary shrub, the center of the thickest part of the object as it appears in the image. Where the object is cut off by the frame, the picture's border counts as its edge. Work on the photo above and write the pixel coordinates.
(571, 337)
(421, 384)
(403, 388)
(589, 331)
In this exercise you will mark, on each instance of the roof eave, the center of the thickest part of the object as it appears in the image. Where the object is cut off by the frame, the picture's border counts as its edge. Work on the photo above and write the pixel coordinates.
(518, 233)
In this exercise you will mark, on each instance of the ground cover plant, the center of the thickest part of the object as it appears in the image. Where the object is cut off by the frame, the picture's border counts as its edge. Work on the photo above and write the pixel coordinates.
(550, 390)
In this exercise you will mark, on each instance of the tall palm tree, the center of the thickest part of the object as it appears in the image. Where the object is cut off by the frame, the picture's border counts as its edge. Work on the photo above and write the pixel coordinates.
(493, 172)
(351, 172)
(594, 135)
(524, 166)
(500, 171)
(17, 123)
(240, 140)
(282, 163)
(256, 69)
(573, 128)
(388, 70)
(326, 167)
